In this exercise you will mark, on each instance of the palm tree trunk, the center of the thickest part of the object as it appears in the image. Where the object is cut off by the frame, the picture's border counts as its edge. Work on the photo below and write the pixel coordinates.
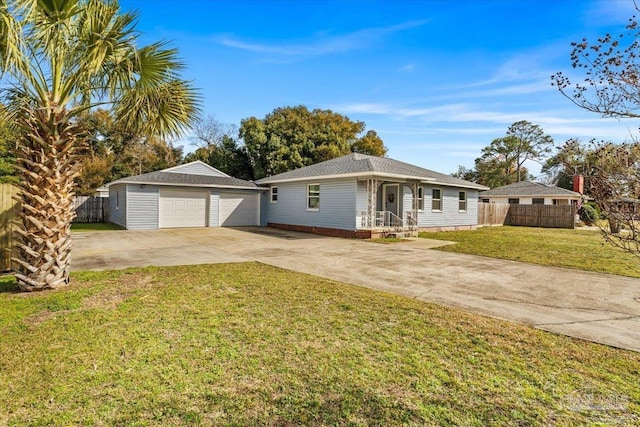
(47, 161)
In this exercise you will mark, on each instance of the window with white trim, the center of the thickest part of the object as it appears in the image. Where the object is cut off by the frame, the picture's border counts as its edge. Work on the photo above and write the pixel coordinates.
(537, 201)
(436, 199)
(313, 197)
(514, 201)
(117, 200)
(420, 199)
(462, 201)
(274, 194)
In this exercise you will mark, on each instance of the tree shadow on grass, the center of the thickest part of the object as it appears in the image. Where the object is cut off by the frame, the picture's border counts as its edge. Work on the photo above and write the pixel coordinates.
(8, 284)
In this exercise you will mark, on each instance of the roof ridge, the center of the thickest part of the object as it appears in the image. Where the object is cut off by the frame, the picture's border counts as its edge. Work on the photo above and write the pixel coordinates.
(370, 164)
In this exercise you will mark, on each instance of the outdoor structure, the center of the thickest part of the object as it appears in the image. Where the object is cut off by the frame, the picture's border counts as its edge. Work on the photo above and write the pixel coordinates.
(530, 193)
(352, 196)
(366, 196)
(190, 195)
(102, 191)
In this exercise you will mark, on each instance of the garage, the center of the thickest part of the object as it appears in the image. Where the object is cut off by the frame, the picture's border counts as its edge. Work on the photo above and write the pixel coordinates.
(239, 209)
(182, 208)
(190, 195)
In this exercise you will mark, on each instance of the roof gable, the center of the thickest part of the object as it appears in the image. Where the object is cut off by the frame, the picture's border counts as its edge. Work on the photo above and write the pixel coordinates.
(356, 164)
(196, 168)
(528, 188)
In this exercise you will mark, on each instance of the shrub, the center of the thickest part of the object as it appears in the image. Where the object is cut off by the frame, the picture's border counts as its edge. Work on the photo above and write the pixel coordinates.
(588, 214)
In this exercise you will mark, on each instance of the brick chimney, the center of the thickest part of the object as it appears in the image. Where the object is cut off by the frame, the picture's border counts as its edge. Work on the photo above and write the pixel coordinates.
(578, 184)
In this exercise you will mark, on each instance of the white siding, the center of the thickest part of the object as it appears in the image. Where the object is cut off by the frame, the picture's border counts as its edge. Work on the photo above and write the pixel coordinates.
(142, 207)
(264, 207)
(238, 209)
(361, 201)
(214, 201)
(449, 216)
(337, 205)
(196, 168)
(407, 201)
(118, 196)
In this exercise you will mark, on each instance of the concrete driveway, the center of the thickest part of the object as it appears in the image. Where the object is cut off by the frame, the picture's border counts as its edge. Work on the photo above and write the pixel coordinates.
(596, 307)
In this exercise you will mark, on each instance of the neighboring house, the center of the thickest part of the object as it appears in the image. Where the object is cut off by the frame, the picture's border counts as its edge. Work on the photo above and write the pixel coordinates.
(530, 193)
(189, 195)
(362, 196)
(102, 191)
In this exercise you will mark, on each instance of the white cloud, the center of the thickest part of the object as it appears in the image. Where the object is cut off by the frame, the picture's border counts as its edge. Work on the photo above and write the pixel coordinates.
(607, 12)
(324, 44)
(407, 68)
(442, 130)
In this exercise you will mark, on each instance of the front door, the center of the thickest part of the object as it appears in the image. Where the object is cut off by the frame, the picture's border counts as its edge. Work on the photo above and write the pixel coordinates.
(391, 198)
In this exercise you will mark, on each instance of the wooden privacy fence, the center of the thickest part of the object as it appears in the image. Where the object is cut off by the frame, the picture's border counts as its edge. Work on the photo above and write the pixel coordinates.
(91, 209)
(88, 209)
(7, 212)
(492, 213)
(548, 216)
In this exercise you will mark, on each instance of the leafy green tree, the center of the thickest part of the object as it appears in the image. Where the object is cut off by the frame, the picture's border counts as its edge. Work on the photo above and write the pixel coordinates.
(502, 161)
(232, 159)
(113, 152)
(148, 155)
(218, 147)
(464, 173)
(612, 179)
(497, 166)
(370, 144)
(529, 143)
(572, 158)
(61, 58)
(8, 138)
(293, 137)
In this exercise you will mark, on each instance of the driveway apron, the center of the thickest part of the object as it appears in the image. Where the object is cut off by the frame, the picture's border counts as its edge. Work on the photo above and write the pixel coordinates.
(596, 307)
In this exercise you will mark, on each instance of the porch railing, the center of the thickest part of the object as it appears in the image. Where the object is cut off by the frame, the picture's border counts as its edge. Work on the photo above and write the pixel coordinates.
(392, 223)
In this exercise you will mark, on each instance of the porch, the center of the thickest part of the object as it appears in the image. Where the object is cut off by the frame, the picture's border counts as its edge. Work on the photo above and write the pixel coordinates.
(390, 207)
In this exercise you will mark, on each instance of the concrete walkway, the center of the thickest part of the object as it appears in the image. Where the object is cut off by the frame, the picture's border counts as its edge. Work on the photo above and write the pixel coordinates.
(596, 307)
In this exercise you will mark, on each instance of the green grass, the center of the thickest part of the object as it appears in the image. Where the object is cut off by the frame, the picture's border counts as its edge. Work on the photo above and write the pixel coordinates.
(579, 249)
(388, 240)
(94, 226)
(248, 344)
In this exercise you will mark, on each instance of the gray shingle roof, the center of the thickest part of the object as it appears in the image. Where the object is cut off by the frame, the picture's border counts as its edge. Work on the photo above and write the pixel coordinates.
(527, 188)
(171, 178)
(356, 163)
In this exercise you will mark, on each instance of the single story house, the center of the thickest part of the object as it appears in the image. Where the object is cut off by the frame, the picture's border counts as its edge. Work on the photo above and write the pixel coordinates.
(190, 195)
(356, 195)
(102, 191)
(530, 193)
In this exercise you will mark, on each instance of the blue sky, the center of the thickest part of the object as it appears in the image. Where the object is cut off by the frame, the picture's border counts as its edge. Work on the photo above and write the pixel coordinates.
(438, 80)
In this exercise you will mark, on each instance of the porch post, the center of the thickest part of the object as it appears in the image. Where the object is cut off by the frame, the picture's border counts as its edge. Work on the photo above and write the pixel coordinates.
(414, 189)
(372, 194)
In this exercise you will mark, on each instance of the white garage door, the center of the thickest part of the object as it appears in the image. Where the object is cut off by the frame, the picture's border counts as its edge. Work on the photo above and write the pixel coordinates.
(180, 208)
(238, 209)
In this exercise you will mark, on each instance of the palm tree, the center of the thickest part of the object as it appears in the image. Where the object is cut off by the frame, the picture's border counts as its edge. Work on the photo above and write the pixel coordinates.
(60, 58)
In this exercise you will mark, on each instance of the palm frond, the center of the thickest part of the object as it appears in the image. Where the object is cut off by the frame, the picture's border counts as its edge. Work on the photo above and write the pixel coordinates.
(11, 40)
(164, 110)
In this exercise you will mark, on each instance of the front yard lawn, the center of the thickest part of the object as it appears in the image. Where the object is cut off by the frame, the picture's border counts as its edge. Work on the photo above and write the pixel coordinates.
(249, 344)
(580, 249)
